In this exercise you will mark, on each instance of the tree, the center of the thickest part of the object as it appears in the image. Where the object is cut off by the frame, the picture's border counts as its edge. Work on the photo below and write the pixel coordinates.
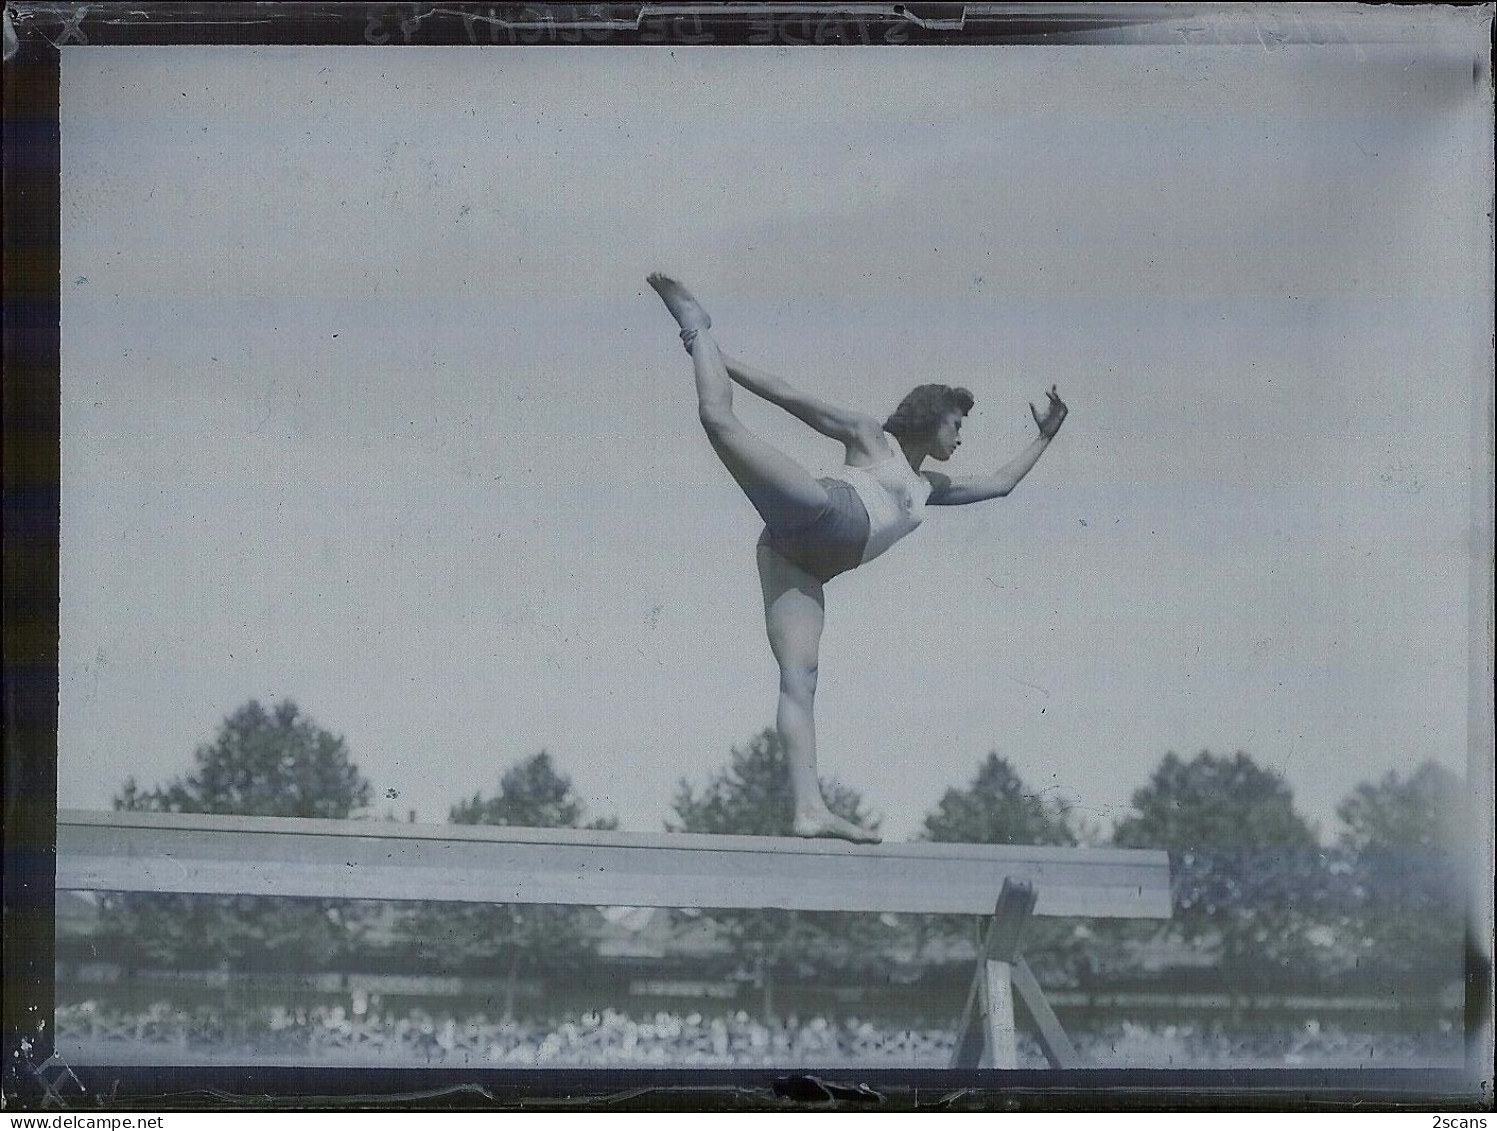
(998, 808)
(751, 796)
(1245, 866)
(1405, 841)
(272, 762)
(1424, 813)
(519, 937)
(532, 794)
(1213, 803)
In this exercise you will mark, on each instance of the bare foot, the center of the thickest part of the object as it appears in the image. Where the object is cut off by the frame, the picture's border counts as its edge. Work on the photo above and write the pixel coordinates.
(687, 312)
(827, 824)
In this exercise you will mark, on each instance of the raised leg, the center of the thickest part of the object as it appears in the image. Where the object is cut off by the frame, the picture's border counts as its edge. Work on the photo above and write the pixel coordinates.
(794, 612)
(785, 494)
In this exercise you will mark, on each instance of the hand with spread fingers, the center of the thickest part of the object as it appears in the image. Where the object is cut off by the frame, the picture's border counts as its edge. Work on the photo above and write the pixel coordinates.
(1055, 414)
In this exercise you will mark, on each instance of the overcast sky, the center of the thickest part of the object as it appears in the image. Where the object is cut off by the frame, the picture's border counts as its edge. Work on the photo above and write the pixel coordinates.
(366, 404)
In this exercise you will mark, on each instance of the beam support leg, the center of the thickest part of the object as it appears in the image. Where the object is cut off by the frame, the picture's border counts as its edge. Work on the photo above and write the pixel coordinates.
(1001, 1044)
(1059, 1052)
(985, 1034)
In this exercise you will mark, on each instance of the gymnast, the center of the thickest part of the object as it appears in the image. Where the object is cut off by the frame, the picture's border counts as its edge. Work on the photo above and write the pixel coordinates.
(815, 529)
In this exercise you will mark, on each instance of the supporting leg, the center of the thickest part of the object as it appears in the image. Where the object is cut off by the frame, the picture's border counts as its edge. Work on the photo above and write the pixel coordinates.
(794, 612)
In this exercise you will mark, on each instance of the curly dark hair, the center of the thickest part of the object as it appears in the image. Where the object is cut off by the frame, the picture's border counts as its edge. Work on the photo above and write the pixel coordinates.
(921, 410)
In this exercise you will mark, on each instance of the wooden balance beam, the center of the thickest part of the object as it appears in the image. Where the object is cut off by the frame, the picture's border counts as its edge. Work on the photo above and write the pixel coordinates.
(275, 856)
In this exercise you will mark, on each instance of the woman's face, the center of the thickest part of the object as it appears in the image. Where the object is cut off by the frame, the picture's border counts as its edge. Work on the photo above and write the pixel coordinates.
(948, 436)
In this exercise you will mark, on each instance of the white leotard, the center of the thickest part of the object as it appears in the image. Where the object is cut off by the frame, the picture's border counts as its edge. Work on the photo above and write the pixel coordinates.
(893, 494)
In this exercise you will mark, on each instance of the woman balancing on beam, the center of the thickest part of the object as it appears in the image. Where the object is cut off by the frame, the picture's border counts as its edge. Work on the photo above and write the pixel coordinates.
(817, 528)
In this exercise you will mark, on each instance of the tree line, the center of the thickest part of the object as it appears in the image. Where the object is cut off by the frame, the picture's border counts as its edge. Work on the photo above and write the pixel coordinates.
(1254, 890)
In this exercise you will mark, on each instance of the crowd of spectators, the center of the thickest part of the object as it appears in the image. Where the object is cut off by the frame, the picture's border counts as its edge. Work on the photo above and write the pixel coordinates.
(609, 1038)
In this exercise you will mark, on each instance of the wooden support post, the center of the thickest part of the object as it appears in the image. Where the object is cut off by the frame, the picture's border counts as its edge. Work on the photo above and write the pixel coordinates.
(1059, 1051)
(998, 1016)
(985, 1034)
(969, 1032)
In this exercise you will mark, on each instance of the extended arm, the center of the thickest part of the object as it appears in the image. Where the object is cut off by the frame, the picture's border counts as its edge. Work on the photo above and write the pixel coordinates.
(840, 424)
(950, 492)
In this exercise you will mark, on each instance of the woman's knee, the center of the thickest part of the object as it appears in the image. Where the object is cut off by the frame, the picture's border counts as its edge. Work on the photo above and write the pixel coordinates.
(798, 681)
